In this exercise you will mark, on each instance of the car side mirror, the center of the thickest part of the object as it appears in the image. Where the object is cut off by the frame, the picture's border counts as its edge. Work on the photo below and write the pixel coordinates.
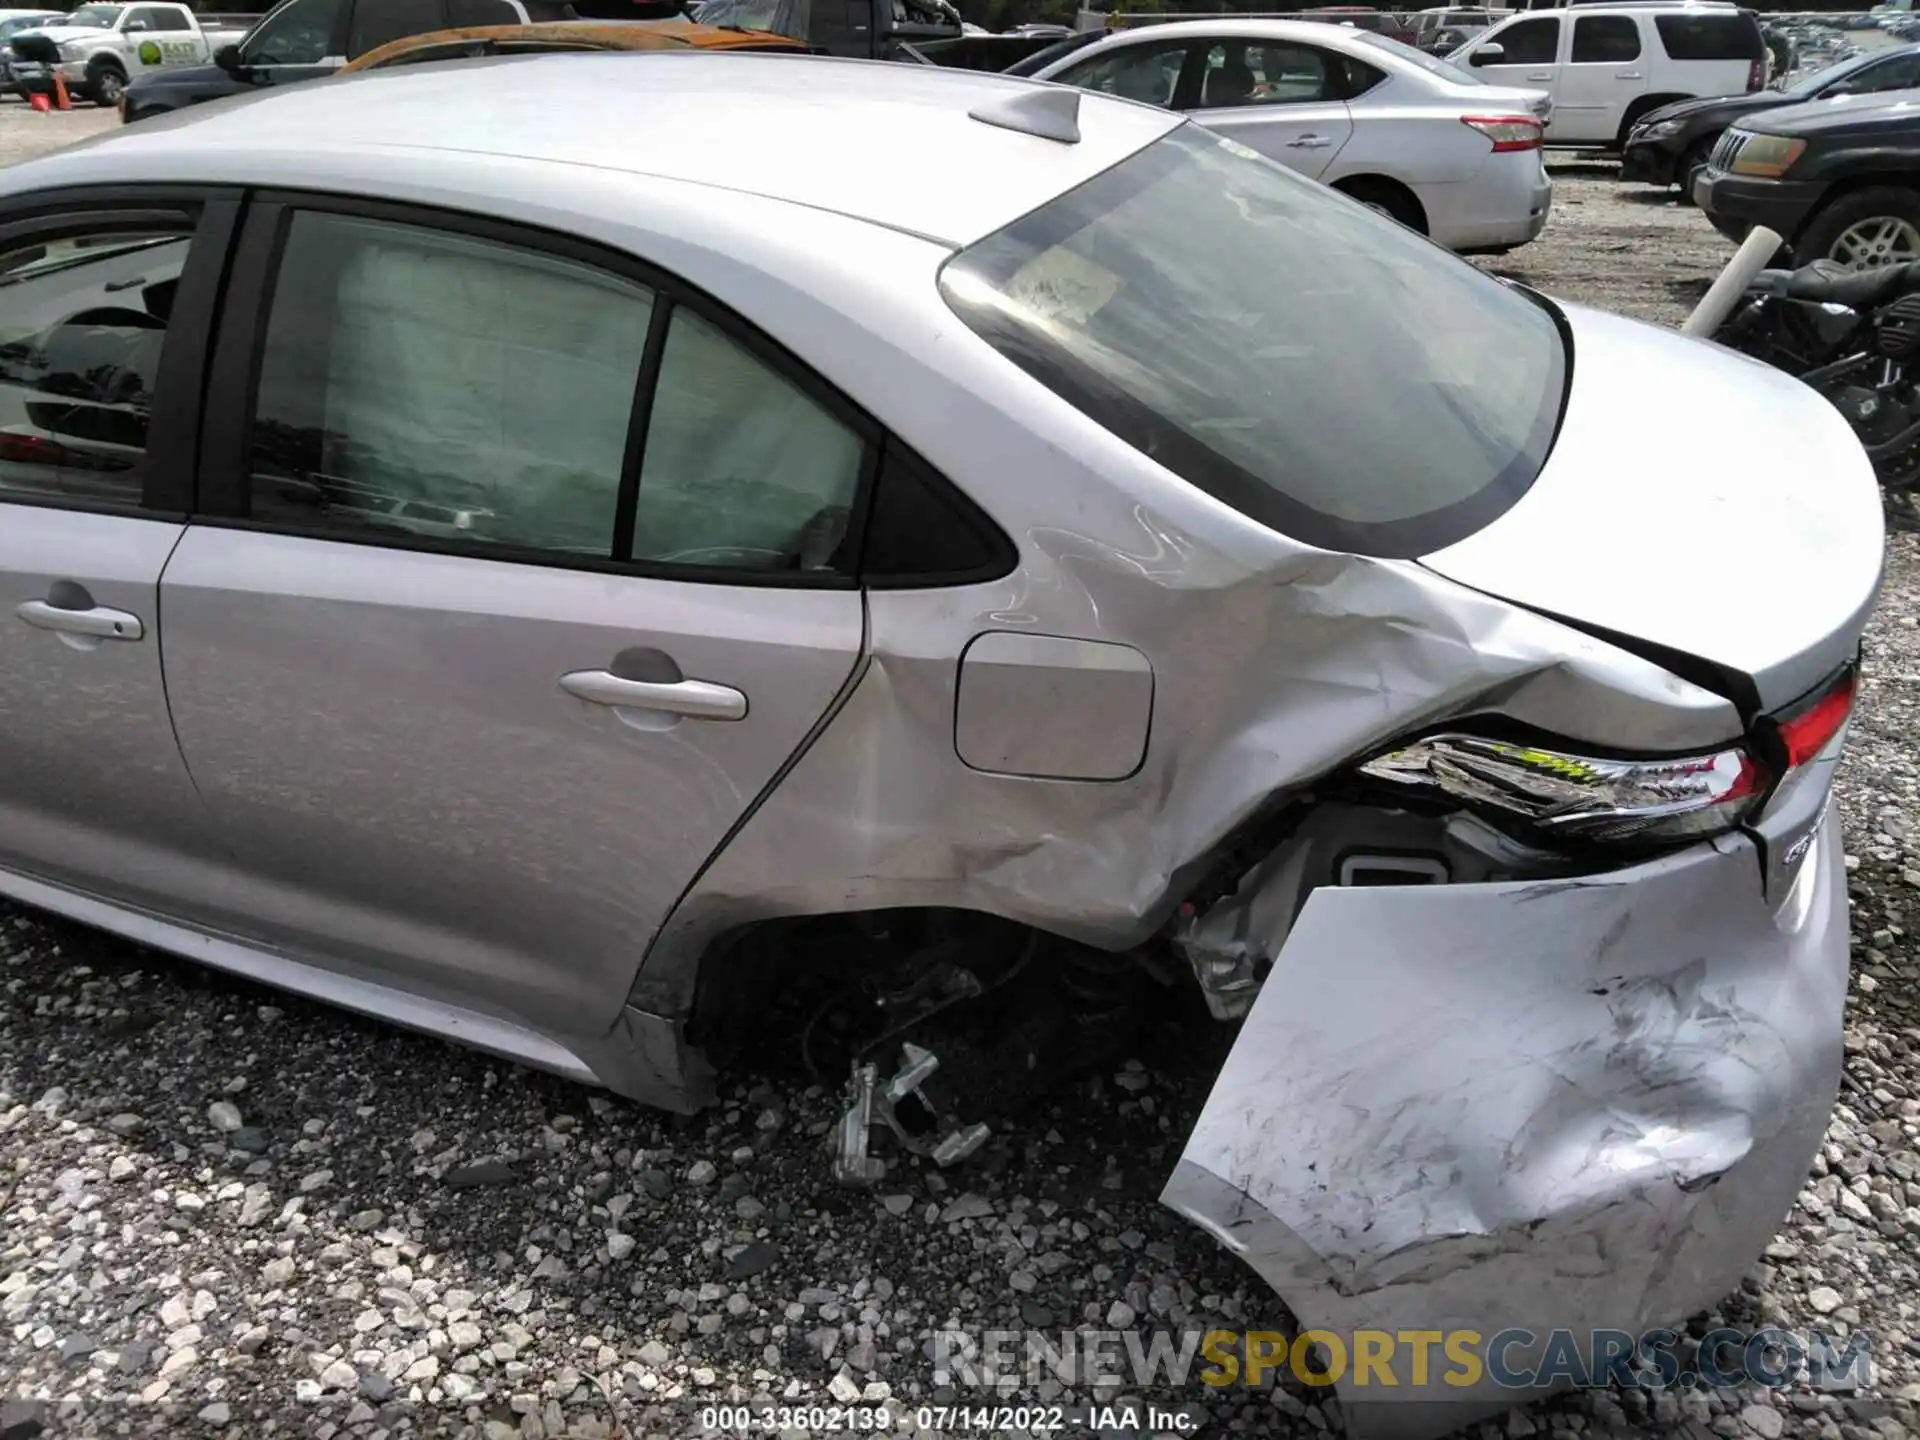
(1834, 92)
(227, 57)
(1488, 55)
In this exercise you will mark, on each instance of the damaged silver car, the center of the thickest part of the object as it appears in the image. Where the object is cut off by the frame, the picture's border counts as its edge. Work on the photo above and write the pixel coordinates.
(531, 585)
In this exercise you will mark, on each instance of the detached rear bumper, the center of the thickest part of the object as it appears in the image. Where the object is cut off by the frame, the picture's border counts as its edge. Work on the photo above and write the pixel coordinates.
(1564, 1105)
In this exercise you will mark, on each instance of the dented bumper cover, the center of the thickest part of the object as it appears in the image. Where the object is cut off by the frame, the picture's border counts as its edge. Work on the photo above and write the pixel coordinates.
(1560, 1104)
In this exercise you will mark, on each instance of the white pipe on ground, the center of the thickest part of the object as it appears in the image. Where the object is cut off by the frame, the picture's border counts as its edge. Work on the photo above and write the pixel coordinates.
(1747, 262)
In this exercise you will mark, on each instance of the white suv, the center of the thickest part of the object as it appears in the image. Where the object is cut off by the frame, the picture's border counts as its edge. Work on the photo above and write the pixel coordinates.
(1607, 65)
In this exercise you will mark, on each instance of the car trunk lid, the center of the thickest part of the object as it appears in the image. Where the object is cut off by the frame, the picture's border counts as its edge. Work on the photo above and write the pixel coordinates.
(1700, 508)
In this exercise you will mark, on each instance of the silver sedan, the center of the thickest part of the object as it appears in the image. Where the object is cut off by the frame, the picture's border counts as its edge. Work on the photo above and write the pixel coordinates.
(517, 578)
(1426, 142)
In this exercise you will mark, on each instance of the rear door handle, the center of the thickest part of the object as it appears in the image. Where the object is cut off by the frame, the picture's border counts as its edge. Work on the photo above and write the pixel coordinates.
(1309, 142)
(99, 621)
(1628, 75)
(696, 699)
(1541, 75)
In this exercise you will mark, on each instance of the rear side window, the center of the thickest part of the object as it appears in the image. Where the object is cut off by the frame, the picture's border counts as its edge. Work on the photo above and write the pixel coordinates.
(1605, 40)
(481, 12)
(1711, 37)
(378, 22)
(1324, 371)
(1531, 42)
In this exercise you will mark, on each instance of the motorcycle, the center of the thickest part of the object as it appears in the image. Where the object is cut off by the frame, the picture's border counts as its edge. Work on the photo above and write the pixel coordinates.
(1853, 335)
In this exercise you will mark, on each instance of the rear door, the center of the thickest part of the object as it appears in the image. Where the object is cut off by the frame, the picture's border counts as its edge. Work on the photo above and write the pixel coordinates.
(1280, 98)
(1530, 58)
(1605, 71)
(522, 574)
(104, 306)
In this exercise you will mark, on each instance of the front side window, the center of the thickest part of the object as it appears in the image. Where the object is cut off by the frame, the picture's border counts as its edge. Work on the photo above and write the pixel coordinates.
(743, 469)
(302, 33)
(1147, 73)
(1250, 72)
(1321, 369)
(1605, 40)
(1902, 73)
(376, 22)
(83, 320)
(1530, 42)
(419, 383)
(94, 17)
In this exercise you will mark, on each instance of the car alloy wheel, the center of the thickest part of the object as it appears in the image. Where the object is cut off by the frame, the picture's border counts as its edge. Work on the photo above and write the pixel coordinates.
(1879, 240)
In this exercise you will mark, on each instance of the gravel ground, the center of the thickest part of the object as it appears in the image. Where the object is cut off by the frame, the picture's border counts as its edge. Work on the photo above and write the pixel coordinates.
(226, 1210)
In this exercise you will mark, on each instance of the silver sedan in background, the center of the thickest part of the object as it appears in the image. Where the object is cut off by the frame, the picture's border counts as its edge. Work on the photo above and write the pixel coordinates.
(1426, 142)
(464, 565)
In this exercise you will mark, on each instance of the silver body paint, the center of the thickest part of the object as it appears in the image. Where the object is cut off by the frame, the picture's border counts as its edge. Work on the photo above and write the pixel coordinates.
(514, 880)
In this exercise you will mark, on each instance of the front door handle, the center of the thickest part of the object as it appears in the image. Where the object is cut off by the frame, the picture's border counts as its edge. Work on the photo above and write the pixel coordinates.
(1309, 142)
(1628, 75)
(98, 621)
(1541, 75)
(696, 699)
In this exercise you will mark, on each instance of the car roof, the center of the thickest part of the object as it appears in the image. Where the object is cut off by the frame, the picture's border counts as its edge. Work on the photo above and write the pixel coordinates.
(879, 141)
(1323, 32)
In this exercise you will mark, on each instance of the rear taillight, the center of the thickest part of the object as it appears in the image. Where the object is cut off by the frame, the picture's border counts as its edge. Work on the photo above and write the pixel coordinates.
(1554, 797)
(1756, 75)
(1545, 795)
(1507, 132)
(1803, 733)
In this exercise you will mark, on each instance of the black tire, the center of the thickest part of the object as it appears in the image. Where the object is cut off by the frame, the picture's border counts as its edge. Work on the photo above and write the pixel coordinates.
(105, 85)
(1391, 199)
(1898, 204)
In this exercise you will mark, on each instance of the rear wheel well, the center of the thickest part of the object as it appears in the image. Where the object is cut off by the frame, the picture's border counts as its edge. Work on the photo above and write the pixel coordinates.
(1388, 195)
(766, 994)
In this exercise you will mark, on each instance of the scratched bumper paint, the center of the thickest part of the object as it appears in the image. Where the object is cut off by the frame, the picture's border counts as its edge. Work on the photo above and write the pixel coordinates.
(1573, 1104)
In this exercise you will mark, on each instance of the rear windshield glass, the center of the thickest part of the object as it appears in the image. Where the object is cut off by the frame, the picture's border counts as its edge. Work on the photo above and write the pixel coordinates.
(1711, 37)
(1322, 369)
(1439, 69)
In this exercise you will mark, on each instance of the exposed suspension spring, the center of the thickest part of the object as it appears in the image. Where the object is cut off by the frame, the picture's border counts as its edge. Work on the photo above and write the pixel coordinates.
(1101, 987)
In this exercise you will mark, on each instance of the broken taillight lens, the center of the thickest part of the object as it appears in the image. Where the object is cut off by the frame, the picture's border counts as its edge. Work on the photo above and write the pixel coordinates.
(1553, 795)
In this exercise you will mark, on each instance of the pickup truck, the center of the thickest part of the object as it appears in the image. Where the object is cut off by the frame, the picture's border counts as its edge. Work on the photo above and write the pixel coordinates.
(100, 49)
(302, 40)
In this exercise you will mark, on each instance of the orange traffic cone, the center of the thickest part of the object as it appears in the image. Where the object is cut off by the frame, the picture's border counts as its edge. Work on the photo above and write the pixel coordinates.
(61, 100)
(40, 103)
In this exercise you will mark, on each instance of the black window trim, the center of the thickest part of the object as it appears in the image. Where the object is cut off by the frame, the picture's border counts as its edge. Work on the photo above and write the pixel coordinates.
(226, 483)
(173, 427)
